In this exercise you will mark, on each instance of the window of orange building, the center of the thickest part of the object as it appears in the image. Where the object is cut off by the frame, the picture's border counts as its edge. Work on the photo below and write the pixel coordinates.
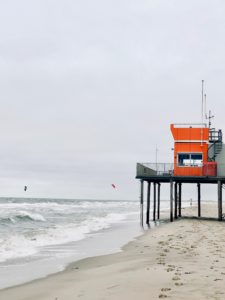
(189, 159)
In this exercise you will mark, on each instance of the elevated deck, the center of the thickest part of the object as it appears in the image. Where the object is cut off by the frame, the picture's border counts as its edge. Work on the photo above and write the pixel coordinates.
(163, 172)
(156, 174)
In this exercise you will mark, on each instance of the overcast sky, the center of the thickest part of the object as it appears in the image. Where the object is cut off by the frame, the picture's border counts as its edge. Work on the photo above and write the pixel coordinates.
(89, 87)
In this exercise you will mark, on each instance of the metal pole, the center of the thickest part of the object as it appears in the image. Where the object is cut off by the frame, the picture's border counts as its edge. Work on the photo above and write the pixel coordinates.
(154, 203)
(202, 111)
(141, 203)
(171, 201)
(175, 204)
(148, 203)
(220, 213)
(158, 210)
(180, 197)
(199, 199)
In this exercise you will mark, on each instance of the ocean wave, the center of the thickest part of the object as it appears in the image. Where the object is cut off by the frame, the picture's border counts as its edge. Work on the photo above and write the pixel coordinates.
(63, 205)
(16, 246)
(25, 215)
(22, 216)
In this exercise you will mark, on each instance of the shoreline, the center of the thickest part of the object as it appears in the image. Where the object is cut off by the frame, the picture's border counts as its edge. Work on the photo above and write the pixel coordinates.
(104, 242)
(181, 260)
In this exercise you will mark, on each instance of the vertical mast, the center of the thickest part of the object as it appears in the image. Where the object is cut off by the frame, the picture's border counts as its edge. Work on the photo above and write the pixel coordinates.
(202, 100)
(202, 112)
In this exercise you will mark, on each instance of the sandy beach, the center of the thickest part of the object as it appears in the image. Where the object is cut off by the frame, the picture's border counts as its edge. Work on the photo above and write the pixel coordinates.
(180, 260)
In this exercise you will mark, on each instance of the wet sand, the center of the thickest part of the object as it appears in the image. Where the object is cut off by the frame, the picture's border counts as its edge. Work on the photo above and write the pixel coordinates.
(180, 260)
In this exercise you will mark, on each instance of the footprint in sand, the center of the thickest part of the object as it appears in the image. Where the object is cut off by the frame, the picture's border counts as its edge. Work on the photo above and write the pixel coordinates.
(162, 296)
(161, 243)
(161, 263)
(219, 293)
(162, 254)
(165, 289)
(179, 283)
(170, 269)
(160, 260)
(175, 278)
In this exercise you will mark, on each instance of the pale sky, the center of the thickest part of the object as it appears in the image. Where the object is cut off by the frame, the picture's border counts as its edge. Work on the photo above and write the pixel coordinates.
(89, 88)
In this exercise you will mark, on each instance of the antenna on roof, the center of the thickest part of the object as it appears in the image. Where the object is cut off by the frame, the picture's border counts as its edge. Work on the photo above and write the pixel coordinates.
(202, 110)
(202, 99)
(210, 117)
(205, 108)
(156, 158)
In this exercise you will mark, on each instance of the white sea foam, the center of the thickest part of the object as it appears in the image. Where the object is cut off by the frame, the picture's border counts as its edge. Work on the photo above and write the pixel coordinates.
(18, 245)
(15, 247)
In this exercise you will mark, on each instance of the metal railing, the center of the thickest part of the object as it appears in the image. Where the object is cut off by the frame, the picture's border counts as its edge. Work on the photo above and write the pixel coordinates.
(215, 135)
(157, 169)
(209, 169)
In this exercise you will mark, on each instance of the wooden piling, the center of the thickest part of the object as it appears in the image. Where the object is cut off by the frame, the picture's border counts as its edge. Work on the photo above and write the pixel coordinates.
(158, 209)
(220, 210)
(154, 202)
(199, 199)
(171, 200)
(179, 200)
(148, 203)
(175, 201)
(141, 202)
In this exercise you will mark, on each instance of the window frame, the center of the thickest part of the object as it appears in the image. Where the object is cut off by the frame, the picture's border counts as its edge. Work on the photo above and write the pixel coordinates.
(191, 165)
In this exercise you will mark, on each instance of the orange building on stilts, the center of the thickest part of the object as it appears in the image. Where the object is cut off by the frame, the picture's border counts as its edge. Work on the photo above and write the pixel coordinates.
(198, 157)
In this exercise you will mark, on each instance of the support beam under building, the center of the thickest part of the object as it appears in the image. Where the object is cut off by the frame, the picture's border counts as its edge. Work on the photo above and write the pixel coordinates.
(175, 200)
(199, 199)
(158, 209)
(179, 199)
(171, 201)
(220, 209)
(154, 202)
(148, 203)
(141, 202)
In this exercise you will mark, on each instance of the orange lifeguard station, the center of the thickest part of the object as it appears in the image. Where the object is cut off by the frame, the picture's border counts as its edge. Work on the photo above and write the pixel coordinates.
(192, 143)
(199, 158)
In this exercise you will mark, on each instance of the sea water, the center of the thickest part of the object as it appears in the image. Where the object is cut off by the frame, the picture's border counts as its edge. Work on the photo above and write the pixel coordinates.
(42, 236)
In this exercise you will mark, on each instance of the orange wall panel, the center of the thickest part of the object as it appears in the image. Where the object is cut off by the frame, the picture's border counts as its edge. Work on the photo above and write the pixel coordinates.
(188, 171)
(191, 148)
(188, 134)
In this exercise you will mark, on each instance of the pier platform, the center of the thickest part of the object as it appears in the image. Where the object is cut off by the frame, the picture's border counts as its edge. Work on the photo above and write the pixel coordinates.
(154, 175)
